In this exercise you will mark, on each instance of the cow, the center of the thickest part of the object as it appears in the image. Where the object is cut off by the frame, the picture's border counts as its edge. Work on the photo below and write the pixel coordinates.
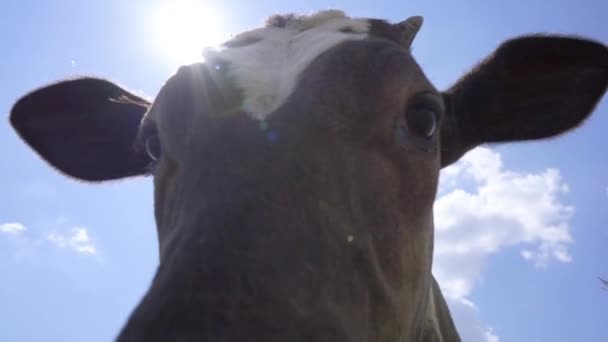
(295, 171)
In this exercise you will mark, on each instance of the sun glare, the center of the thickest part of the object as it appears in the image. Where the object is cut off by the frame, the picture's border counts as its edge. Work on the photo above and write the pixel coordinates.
(184, 27)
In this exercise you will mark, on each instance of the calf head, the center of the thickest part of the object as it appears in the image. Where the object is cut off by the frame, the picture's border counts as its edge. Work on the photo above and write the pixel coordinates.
(295, 171)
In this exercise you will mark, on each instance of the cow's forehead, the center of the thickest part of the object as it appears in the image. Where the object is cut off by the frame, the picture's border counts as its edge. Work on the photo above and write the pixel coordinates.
(265, 63)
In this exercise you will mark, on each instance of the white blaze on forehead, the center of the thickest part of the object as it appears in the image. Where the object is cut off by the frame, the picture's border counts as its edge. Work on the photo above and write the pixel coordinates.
(267, 69)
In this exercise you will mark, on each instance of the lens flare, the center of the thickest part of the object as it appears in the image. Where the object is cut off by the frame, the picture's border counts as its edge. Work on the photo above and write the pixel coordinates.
(183, 28)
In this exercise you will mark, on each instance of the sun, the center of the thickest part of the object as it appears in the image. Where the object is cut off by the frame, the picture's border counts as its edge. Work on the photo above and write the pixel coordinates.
(182, 28)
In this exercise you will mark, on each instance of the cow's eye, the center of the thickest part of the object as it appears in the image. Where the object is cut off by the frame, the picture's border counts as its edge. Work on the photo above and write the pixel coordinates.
(153, 148)
(421, 122)
(148, 144)
(418, 123)
(421, 116)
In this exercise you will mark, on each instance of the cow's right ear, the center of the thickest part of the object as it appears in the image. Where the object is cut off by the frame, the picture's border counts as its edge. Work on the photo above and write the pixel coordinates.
(84, 127)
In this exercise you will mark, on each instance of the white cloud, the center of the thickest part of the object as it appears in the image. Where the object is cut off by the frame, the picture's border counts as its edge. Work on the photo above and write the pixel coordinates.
(78, 241)
(12, 228)
(496, 209)
(466, 317)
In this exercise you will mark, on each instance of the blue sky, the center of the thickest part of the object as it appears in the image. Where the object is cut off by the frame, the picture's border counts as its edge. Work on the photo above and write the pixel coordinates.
(521, 229)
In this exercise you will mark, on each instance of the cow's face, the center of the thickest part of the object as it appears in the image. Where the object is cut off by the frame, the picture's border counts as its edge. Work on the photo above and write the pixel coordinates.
(361, 126)
(337, 182)
(295, 170)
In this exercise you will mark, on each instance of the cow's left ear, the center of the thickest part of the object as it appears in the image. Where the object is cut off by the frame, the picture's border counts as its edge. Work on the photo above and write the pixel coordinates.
(531, 87)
